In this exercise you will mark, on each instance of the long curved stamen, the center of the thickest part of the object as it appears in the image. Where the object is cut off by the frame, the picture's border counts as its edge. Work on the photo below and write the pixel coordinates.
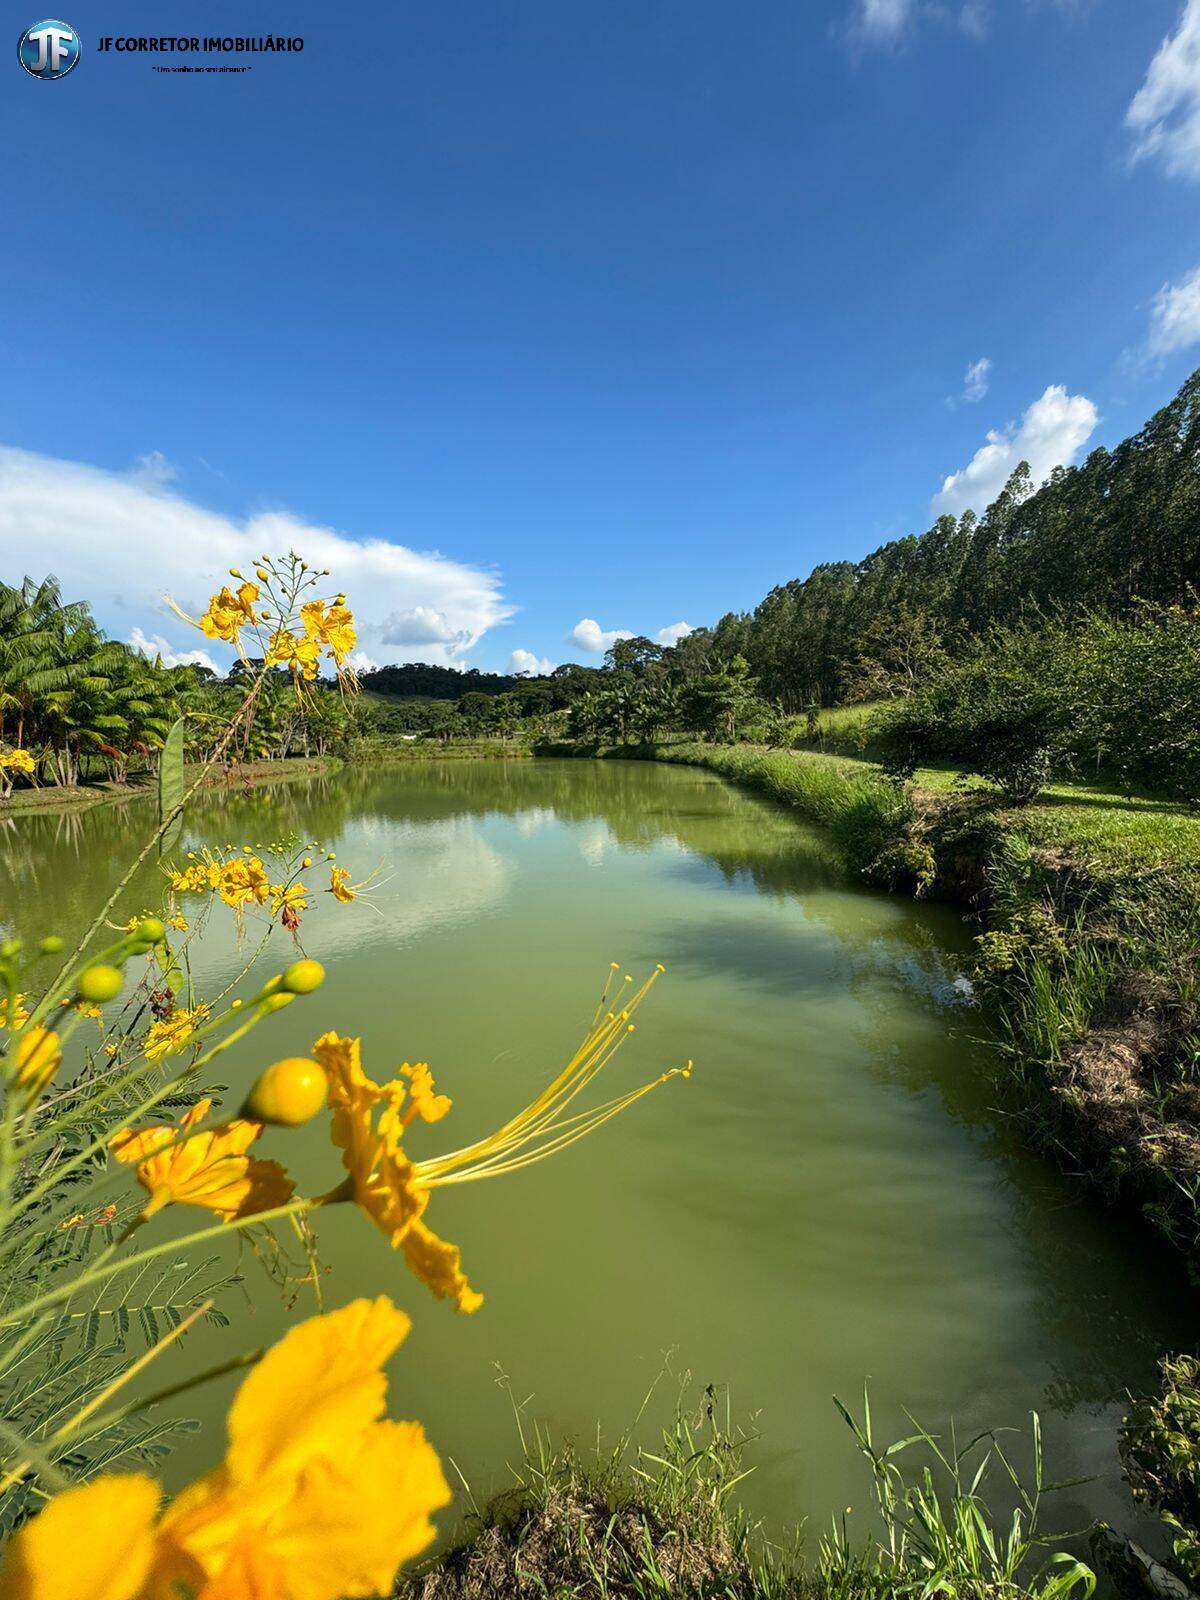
(567, 1132)
(597, 1049)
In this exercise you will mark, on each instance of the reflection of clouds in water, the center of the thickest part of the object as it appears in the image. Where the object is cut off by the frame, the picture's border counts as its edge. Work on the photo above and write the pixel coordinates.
(431, 875)
(595, 843)
(531, 821)
(929, 972)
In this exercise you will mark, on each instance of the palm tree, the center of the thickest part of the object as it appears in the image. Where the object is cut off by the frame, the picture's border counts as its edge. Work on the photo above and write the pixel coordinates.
(33, 623)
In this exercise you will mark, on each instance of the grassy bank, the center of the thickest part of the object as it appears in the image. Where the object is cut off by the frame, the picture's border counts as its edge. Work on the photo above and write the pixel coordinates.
(1088, 908)
(241, 774)
(632, 1524)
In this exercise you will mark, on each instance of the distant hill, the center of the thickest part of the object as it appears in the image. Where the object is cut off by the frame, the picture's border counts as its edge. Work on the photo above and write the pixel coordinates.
(419, 680)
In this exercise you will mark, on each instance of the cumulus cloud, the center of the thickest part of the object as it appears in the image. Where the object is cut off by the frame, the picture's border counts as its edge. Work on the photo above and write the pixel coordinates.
(1164, 115)
(1050, 434)
(589, 635)
(121, 540)
(881, 21)
(156, 646)
(672, 635)
(525, 661)
(421, 625)
(1175, 317)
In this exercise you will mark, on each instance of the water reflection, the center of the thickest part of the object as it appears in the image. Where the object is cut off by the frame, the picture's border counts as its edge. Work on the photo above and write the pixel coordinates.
(838, 1194)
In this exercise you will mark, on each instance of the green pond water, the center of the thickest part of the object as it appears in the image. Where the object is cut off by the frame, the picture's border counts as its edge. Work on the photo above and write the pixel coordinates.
(832, 1198)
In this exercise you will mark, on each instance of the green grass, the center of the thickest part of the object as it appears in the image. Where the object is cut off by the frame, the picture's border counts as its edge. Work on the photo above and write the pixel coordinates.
(665, 1524)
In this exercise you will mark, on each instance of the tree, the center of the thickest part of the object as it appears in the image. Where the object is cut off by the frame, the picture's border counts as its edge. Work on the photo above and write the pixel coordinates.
(715, 702)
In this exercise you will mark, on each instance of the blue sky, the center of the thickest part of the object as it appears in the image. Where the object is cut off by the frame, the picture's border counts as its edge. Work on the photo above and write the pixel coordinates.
(617, 314)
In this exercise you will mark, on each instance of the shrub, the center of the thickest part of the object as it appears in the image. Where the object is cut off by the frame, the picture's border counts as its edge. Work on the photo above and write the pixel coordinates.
(1160, 1451)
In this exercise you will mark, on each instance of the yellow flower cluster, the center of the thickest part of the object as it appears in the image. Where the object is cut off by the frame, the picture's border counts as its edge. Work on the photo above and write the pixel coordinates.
(319, 1497)
(323, 627)
(237, 881)
(228, 613)
(170, 1033)
(243, 879)
(17, 760)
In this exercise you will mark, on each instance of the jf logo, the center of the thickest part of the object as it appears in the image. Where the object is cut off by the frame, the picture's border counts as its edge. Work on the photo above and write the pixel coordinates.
(49, 49)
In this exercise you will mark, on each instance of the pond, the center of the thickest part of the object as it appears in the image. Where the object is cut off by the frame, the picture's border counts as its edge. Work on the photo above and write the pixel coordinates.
(832, 1199)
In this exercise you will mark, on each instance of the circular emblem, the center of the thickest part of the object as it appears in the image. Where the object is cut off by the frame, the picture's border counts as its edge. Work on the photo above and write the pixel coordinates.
(49, 49)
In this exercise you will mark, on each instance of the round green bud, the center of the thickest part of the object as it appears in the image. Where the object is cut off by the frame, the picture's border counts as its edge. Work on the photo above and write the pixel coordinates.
(276, 1002)
(302, 977)
(100, 983)
(50, 945)
(151, 930)
(11, 947)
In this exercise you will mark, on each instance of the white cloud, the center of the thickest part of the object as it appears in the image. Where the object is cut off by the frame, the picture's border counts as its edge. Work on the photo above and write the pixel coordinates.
(121, 541)
(1050, 434)
(422, 625)
(153, 468)
(974, 18)
(673, 634)
(1175, 317)
(975, 382)
(589, 635)
(526, 661)
(156, 645)
(1164, 115)
(360, 661)
(881, 21)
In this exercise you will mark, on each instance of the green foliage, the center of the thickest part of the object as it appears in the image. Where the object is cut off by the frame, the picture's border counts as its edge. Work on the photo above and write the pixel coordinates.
(170, 789)
(1117, 698)
(940, 1538)
(1160, 1451)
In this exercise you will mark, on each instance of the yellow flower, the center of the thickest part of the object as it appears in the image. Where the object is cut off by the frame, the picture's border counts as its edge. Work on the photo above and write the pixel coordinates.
(332, 627)
(301, 656)
(283, 896)
(370, 1119)
(178, 923)
(38, 1056)
(172, 1032)
(209, 1169)
(319, 1496)
(339, 885)
(19, 1016)
(242, 879)
(229, 613)
(17, 761)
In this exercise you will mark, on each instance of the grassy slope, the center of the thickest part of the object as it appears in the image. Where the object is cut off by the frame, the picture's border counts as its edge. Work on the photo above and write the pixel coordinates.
(1118, 830)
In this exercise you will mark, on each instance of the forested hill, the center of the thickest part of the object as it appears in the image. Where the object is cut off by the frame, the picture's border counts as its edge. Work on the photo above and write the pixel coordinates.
(418, 679)
(1122, 527)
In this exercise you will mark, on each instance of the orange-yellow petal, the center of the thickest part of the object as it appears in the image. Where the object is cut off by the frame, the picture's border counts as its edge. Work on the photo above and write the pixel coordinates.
(438, 1264)
(91, 1543)
(312, 1394)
